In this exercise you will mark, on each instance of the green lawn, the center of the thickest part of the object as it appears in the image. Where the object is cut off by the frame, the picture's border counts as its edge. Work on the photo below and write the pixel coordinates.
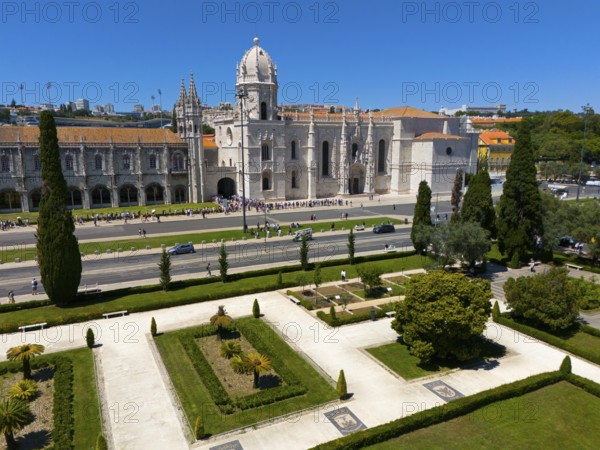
(196, 400)
(561, 416)
(8, 253)
(397, 357)
(94, 308)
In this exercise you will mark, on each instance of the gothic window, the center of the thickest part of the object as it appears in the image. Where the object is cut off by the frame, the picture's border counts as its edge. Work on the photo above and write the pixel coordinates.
(325, 159)
(294, 180)
(265, 152)
(266, 180)
(98, 162)
(354, 151)
(5, 163)
(263, 111)
(178, 162)
(154, 193)
(69, 162)
(153, 161)
(381, 157)
(294, 155)
(179, 194)
(126, 162)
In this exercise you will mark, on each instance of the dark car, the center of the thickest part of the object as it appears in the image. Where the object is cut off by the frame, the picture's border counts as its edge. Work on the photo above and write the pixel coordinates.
(181, 249)
(567, 241)
(387, 228)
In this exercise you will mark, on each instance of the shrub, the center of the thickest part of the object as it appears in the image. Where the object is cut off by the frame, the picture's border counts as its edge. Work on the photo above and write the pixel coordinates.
(101, 443)
(199, 428)
(565, 366)
(332, 313)
(342, 388)
(256, 307)
(279, 280)
(90, 339)
(25, 390)
(348, 319)
(153, 330)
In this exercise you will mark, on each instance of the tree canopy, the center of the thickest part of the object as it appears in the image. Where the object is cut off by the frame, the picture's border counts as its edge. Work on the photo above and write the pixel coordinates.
(478, 205)
(421, 217)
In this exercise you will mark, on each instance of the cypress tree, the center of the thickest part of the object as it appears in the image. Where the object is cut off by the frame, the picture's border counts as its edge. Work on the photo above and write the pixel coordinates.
(478, 205)
(422, 216)
(223, 264)
(351, 246)
(342, 387)
(520, 206)
(456, 194)
(153, 328)
(90, 339)
(165, 270)
(256, 308)
(58, 254)
(304, 252)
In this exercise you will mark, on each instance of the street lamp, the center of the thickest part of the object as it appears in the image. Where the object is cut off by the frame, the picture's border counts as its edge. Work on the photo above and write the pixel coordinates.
(241, 95)
(586, 110)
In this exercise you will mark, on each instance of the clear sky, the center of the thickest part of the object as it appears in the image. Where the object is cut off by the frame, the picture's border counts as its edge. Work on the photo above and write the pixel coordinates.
(427, 54)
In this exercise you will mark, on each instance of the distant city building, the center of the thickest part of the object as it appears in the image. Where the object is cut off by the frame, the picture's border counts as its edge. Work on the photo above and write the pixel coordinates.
(156, 108)
(46, 107)
(107, 109)
(82, 103)
(138, 109)
(497, 109)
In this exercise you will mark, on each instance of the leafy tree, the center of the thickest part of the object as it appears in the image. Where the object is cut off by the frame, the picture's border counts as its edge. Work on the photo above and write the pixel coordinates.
(25, 353)
(351, 246)
(457, 194)
(342, 387)
(369, 276)
(207, 129)
(304, 248)
(223, 264)
(229, 349)
(90, 339)
(153, 329)
(443, 316)
(317, 279)
(254, 363)
(101, 443)
(256, 308)
(548, 300)
(14, 416)
(220, 319)
(469, 241)
(478, 205)
(422, 216)
(520, 206)
(58, 254)
(441, 244)
(199, 428)
(302, 280)
(165, 270)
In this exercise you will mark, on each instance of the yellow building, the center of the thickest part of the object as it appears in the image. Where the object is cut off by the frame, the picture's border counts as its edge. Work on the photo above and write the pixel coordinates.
(495, 148)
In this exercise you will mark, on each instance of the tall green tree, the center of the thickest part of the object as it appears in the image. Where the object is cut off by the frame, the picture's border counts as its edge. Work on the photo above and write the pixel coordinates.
(457, 194)
(351, 246)
(422, 216)
(223, 263)
(165, 270)
(478, 205)
(443, 316)
(304, 248)
(520, 206)
(58, 254)
(317, 279)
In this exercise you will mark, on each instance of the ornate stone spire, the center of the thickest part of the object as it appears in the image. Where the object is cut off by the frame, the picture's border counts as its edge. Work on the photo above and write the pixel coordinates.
(182, 93)
(193, 95)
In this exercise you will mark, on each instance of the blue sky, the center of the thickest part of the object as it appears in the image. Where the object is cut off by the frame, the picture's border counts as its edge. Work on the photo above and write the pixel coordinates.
(535, 55)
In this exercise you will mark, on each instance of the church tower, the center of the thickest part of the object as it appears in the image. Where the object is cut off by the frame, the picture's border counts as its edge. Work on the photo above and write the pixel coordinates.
(256, 75)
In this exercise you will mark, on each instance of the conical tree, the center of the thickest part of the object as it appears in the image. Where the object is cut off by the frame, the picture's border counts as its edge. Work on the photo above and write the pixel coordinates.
(220, 319)
(520, 206)
(165, 270)
(478, 205)
(90, 338)
(422, 216)
(351, 246)
(153, 328)
(223, 264)
(25, 353)
(342, 387)
(304, 248)
(457, 194)
(256, 308)
(58, 254)
(14, 416)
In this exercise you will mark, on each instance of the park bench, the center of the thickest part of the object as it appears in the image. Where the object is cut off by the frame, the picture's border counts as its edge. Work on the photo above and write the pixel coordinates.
(390, 313)
(89, 289)
(573, 266)
(114, 313)
(294, 299)
(41, 325)
(390, 248)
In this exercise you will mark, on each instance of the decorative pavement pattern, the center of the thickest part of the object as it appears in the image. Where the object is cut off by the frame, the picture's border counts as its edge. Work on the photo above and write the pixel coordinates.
(233, 445)
(443, 391)
(345, 421)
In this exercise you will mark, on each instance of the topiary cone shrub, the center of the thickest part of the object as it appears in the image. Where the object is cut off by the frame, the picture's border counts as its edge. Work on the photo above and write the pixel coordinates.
(256, 308)
(90, 339)
(565, 366)
(342, 388)
(153, 331)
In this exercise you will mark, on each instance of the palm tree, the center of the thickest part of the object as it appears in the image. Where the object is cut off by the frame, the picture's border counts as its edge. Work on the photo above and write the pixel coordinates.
(254, 363)
(14, 415)
(25, 353)
(230, 348)
(220, 319)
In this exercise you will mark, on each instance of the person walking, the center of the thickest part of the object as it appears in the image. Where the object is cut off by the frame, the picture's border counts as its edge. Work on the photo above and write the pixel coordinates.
(140, 232)
(34, 286)
(343, 275)
(11, 297)
(208, 274)
(144, 233)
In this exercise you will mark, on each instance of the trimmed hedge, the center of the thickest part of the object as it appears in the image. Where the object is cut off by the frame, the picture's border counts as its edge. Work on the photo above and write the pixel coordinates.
(585, 384)
(24, 305)
(348, 319)
(442, 413)
(550, 338)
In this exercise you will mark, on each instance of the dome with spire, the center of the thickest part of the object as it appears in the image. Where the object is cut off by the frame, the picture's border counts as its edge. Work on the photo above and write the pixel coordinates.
(256, 66)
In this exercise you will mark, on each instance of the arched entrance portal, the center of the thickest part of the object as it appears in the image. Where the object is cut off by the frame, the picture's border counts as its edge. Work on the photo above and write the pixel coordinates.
(356, 182)
(226, 187)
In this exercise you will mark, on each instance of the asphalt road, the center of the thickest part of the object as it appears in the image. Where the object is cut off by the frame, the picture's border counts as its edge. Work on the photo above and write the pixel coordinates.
(130, 266)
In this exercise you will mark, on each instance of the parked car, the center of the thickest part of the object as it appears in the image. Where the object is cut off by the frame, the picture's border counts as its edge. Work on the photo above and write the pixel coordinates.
(181, 249)
(359, 228)
(567, 241)
(385, 228)
(305, 232)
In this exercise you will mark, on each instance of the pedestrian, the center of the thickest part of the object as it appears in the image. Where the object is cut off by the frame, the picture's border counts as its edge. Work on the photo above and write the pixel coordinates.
(343, 275)
(34, 285)
(394, 207)
(11, 297)
(208, 274)
(140, 232)
(144, 233)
